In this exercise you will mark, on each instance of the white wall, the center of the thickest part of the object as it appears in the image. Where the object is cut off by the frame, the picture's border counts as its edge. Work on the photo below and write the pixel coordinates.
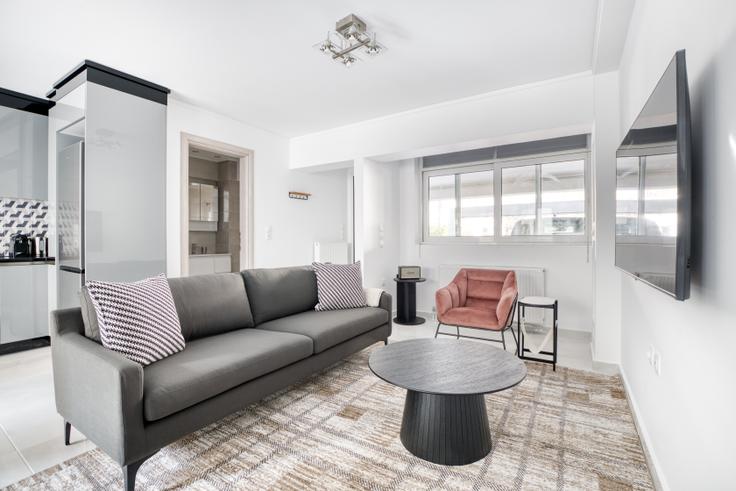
(606, 278)
(529, 112)
(688, 411)
(295, 224)
(380, 223)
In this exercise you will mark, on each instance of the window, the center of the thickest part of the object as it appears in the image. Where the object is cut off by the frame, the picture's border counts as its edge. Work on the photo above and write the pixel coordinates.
(519, 200)
(460, 204)
(476, 204)
(442, 206)
(542, 198)
(563, 198)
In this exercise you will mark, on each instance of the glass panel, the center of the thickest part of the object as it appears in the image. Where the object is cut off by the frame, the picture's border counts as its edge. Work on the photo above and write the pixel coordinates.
(563, 198)
(476, 204)
(519, 200)
(660, 196)
(226, 206)
(209, 202)
(195, 212)
(627, 195)
(441, 212)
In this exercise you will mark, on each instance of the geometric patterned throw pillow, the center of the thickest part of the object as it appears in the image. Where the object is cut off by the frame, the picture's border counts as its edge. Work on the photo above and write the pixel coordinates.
(339, 286)
(138, 320)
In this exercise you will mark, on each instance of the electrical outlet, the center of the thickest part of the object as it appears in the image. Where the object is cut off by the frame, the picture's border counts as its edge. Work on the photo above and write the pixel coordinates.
(269, 232)
(650, 355)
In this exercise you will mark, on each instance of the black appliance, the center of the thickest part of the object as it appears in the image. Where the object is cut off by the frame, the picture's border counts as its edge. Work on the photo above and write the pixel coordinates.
(653, 188)
(22, 245)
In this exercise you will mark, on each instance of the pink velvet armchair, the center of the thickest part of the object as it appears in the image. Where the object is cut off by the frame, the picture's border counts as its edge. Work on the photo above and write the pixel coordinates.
(478, 299)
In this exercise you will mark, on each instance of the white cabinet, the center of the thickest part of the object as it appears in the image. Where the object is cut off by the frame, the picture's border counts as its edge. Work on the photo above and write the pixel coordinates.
(24, 310)
(23, 154)
(221, 263)
(203, 202)
(209, 263)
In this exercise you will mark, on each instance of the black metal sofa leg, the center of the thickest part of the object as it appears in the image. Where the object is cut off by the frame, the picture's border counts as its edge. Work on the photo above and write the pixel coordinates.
(130, 471)
(67, 432)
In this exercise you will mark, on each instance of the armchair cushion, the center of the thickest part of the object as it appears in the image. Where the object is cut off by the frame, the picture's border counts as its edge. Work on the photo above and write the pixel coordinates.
(471, 317)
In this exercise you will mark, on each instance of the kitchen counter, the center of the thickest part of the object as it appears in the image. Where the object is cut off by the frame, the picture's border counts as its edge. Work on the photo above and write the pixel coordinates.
(25, 261)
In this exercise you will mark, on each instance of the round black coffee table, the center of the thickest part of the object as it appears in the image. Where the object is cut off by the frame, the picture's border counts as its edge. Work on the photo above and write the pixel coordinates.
(445, 419)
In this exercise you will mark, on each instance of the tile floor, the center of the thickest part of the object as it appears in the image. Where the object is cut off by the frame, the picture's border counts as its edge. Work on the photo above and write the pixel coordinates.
(31, 434)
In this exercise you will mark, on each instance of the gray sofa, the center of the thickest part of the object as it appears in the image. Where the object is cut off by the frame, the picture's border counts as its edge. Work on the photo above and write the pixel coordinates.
(247, 335)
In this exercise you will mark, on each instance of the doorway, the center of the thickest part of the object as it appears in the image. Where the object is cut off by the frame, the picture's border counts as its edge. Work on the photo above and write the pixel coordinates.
(216, 207)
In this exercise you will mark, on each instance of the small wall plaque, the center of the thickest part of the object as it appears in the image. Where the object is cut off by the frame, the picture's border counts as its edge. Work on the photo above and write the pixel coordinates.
(299, 195)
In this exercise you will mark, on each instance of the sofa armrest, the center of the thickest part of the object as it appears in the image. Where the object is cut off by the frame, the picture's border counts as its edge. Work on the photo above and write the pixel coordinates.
(98, 391)
(386, 303)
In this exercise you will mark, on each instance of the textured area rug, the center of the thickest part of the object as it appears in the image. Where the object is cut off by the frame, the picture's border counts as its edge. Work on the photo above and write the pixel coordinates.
(340, 430)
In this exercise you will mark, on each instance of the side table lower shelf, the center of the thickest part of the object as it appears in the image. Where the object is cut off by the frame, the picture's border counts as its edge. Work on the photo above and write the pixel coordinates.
(540, 303)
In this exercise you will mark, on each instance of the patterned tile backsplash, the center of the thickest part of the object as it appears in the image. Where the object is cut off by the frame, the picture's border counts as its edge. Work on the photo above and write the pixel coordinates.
(28, 216)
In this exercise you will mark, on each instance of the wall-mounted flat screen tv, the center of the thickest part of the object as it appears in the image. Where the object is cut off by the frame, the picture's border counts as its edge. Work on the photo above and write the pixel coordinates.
(653, 188)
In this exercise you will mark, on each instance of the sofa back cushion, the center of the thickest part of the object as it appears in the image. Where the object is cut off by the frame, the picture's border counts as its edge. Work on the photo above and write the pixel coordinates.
(278, 292)
(211, 304)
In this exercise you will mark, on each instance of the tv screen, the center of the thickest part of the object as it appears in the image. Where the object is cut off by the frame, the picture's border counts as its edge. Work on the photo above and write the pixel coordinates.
(653, 181)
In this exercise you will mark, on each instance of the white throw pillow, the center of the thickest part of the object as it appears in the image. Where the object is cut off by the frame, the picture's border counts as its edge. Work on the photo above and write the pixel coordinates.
(339, 286)
(138, 320)
(373, 296)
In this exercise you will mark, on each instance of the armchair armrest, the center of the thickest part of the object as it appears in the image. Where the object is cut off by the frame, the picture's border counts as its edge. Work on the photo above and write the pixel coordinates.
(443, 301)
(98, 391)
(386, 303)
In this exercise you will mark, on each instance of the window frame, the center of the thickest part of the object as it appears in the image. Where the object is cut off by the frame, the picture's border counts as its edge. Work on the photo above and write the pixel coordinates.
(496, 166)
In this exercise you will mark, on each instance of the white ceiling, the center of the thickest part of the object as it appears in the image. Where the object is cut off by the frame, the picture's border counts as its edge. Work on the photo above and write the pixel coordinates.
(254, 60)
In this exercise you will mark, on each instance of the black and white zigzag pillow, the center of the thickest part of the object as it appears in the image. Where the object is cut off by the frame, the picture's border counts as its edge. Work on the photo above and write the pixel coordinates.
(339, 286)
(138, 320)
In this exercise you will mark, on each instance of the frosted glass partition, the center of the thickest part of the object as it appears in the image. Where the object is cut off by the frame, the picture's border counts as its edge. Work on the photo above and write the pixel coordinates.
(125, 186)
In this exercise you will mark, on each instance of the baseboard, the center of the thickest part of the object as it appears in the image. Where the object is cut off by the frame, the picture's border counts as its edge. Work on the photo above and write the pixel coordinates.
(658, 479)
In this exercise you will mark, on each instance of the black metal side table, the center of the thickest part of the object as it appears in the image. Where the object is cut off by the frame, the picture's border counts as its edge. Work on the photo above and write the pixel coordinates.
(406, 301)
(539, 303)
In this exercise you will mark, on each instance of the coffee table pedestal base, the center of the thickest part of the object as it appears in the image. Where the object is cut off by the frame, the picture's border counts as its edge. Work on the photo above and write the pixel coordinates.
(446, 429)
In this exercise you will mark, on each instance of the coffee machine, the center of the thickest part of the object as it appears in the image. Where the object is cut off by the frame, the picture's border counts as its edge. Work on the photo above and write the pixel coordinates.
(21, 245)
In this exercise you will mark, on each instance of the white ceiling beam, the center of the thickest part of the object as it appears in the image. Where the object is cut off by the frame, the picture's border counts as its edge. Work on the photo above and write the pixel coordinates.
(612, 25)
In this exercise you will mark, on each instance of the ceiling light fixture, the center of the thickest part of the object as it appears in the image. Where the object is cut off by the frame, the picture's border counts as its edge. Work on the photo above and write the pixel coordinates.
(350, 36)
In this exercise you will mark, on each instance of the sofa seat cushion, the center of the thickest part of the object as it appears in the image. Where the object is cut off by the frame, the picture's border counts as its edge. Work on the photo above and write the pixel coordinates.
(471, 317)
(331, 327)
(212, 365)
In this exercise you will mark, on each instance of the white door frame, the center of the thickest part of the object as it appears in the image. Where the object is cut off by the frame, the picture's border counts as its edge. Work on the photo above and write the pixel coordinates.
(245, 162)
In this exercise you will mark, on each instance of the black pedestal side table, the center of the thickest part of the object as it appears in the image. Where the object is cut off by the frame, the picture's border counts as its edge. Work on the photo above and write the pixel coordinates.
(406, 301)
(539, 303)
(445, 419)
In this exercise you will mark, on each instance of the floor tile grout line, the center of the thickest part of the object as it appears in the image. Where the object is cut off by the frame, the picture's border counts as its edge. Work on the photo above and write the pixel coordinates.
(17, 450)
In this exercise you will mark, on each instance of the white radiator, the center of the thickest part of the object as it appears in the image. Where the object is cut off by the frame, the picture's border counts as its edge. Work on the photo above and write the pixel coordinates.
(331, 252)
(530, 281)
